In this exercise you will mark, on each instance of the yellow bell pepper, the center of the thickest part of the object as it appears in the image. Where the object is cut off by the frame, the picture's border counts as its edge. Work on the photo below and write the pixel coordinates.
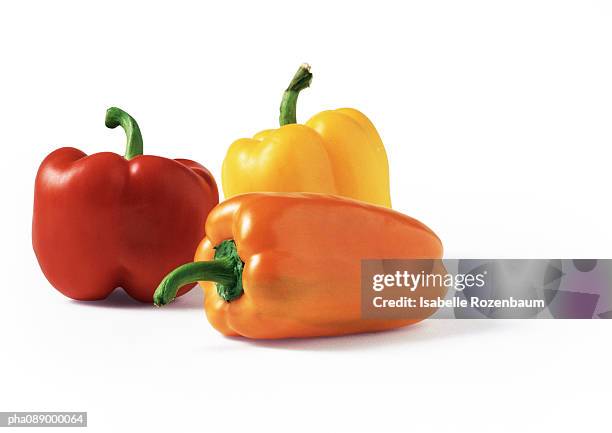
(336, 152)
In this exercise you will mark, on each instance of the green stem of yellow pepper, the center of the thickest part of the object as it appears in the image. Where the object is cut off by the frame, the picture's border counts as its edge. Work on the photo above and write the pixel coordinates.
(300, 81)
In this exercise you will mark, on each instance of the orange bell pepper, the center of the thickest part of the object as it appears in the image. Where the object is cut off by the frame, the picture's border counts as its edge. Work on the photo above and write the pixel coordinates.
(278, 265)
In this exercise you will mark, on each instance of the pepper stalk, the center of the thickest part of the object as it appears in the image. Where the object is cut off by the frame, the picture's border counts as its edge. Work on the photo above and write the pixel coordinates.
(117, 117)
(225, 270)
(301, 80)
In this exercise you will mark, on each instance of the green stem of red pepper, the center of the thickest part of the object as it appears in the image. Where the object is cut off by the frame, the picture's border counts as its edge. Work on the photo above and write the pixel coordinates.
(301, 80)
(117, 117)
(225, 270)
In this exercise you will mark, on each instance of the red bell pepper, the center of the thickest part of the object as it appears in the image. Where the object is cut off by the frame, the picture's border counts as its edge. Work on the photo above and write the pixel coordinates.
(105, 221)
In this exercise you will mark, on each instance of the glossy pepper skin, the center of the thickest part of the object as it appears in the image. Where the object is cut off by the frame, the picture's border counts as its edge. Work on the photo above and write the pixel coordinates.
(104, 221)
(335, 152)
(298, 272)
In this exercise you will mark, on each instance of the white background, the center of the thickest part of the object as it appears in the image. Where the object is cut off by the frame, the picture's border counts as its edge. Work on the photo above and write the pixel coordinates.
(497, 117)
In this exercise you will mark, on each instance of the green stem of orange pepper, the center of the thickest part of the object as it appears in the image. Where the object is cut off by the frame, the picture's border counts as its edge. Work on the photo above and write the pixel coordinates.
(225, 270)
